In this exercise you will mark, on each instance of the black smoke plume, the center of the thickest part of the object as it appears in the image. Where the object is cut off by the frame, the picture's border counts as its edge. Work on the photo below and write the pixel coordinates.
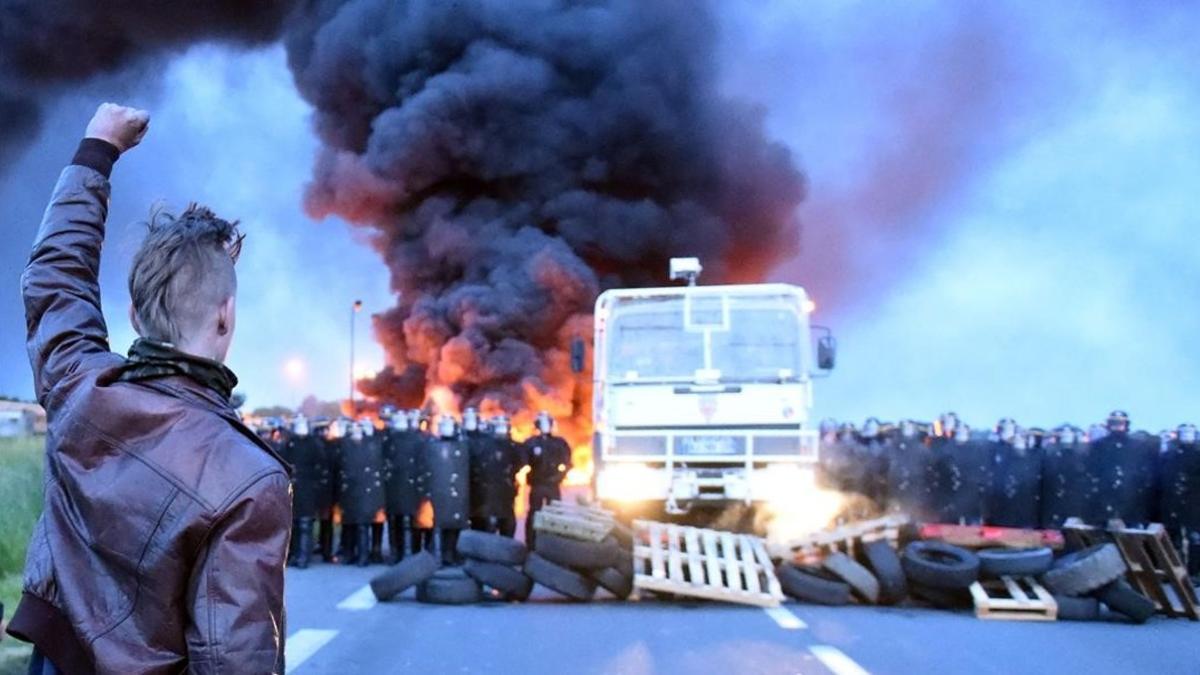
(513, 158)
(46, 45)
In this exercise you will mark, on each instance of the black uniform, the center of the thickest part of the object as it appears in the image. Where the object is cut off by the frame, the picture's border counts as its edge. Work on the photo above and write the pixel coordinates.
(310, 475)
(1067, 487)
(361, 493)
(963, 477)
(495, 462)
(327, 497)
(549, 459)
(1179, 499)
(449, 471)
(403, 462)
(1016, 486)
(907, 477)
(1124, 465)
(874, 460)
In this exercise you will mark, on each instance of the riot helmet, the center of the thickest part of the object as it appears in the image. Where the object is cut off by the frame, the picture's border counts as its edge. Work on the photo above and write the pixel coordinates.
(1021, 440)
(368, 426)
(300, 425)
(870, 428)
(949, 422)
(1066, 435)
(908, 429)
(415, 417)
(398, 421)
(828, 426)
(1118, 422)
(500, 426)
(962, 434)
(847, 432)
(470, 420)
(1006, 429)
(447, 426)
(1187, 434)
(356, 431)
(545, 423)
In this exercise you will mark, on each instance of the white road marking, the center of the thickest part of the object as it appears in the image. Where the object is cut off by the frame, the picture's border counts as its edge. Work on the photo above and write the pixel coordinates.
(784, 617)
(836, 660)
(303, 644)
(359, 600)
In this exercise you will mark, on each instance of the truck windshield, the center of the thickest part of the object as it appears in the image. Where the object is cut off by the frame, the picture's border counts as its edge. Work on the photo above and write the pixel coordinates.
(746, 338)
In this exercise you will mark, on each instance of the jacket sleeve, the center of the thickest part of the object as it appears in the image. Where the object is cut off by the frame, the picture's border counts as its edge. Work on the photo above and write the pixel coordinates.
(235, 596)
(60, 285)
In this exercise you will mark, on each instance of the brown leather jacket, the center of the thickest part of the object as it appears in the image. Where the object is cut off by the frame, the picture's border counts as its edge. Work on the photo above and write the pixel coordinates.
(162, 541)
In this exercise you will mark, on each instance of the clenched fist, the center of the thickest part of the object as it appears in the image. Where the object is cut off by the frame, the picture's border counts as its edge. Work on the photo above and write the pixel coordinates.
(121, 126)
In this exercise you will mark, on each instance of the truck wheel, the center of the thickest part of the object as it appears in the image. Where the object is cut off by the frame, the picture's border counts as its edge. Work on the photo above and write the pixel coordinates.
(808, 587)
(1018, 562)
(511, 582)
(491, 547)
(1077, 609)
(614, 581)
(584, 555)
(860, 579)
(451, 586)
(559, 579)
(1121, 597)
(1085, 570)
(413, 570)
(883, 560)
(933, 564)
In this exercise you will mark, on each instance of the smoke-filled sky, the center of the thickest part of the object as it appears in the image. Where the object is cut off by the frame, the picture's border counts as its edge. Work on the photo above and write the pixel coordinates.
(999, 213)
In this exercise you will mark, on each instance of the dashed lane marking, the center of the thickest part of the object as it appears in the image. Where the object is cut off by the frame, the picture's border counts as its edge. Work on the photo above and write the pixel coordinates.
(784, 617)
(836, 660)
(303, 644)
(359, 600)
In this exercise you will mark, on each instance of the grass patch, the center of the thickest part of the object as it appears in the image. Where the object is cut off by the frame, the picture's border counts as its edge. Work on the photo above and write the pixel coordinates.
(20, 504)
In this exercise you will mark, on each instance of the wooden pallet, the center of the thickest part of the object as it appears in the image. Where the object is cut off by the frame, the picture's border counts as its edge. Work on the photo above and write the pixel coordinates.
(1155, 568)
(976, 536)
(846, 539)
(708, 564)
(574, 521)
(1013, 599)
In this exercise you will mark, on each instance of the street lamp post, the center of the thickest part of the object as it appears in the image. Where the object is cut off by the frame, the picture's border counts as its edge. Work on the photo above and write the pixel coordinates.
(353, 315)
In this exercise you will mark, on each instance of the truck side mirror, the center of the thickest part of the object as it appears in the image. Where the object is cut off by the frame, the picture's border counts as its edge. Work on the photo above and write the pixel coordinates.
(826, 352)
(578, 355)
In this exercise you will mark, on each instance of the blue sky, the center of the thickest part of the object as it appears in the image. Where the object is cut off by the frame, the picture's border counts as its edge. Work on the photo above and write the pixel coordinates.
(1001, 221)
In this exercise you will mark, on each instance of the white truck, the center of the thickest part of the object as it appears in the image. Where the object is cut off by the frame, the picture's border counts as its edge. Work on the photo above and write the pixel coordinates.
(703, 394)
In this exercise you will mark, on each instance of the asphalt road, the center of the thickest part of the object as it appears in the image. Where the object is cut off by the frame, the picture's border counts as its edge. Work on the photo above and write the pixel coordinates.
(335, 626)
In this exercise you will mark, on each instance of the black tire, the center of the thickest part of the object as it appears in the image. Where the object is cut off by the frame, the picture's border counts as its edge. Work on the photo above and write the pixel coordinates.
(1077, 609)
(624, 563)
(622, 534)
(942, 598)
(1015, 562)
(512, 583)
(808, 587)
(449, 587)
(884, 562)
(1121, 597)
(491, 547)
(580, 555)
(409, 572)
(933, 564)
(861, 581)
(559, 579)
(614, 581)
(1086, 570)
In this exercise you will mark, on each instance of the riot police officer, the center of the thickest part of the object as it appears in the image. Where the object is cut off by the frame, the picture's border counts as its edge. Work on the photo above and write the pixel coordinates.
(403, 447)
(1067, 487)
(329, 439)
(963, 475)
(872, 476)
(1180, 494)
(361, 491)
(1016, 488)
(449, 468)
(1125, 465)
(310, 477)
(549, 458)
(907, 472)
(494, 466)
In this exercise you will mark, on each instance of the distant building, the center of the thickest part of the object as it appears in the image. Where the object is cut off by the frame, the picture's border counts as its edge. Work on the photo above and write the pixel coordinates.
(18, 418)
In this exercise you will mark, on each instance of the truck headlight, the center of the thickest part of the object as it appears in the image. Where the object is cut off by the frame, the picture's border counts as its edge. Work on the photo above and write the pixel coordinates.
(631, 482)
(779, 482)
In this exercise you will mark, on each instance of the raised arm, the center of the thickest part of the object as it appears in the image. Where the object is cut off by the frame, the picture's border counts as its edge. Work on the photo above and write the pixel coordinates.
(60, 285)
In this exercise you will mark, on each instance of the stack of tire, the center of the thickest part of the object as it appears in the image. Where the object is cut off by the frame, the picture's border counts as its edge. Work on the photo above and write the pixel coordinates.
(574, 568)
(876, 577)
(1082, 580)
(941, 574)
(495, 562)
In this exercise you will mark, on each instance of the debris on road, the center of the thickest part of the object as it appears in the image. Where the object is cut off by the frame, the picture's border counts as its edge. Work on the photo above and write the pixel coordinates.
(976, 536)
(1013, 598)
(700, 563)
